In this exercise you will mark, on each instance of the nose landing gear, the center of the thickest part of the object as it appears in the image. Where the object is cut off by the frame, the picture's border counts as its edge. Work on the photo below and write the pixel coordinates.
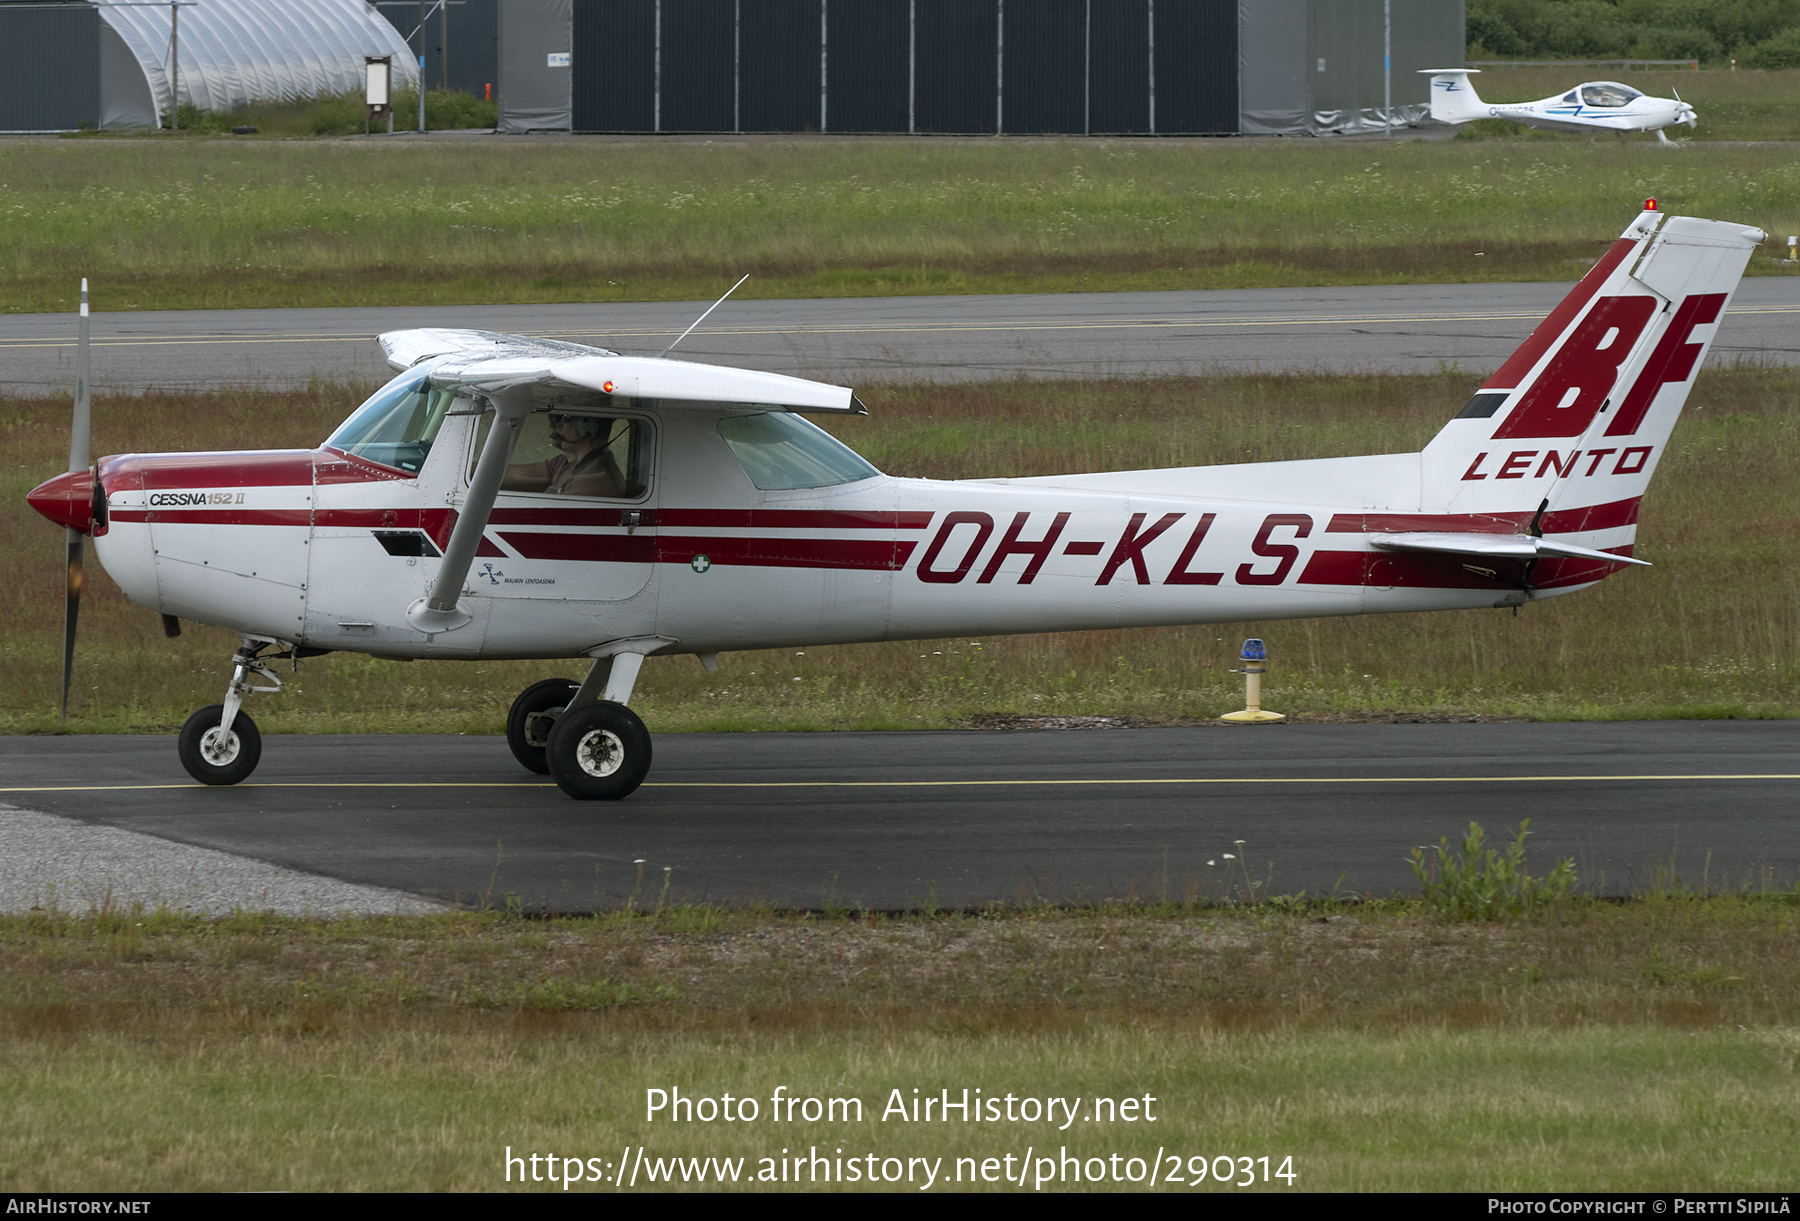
(220, 744)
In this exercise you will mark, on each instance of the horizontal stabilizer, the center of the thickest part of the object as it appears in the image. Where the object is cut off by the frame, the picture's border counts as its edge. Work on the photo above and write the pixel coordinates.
(1494, 547)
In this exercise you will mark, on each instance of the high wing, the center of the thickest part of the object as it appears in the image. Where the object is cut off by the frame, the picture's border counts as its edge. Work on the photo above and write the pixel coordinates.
(490, 363)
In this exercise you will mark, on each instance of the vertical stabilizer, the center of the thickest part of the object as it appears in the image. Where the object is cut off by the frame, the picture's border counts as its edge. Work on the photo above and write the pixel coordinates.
(1563, 439)
(1453, 96)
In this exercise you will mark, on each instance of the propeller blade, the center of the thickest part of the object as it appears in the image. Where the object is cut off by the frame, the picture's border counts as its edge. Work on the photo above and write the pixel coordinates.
(78, 460)
(72, 611)
(78, 432)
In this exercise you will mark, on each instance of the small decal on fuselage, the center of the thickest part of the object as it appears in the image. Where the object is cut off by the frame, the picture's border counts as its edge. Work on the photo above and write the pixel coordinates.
(172, 500)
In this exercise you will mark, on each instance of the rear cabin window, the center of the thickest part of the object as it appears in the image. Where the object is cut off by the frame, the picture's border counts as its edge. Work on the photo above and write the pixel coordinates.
(397, 425)
(782, 452)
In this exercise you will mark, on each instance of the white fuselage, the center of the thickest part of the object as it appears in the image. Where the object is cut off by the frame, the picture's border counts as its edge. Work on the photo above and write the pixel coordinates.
(320, 549)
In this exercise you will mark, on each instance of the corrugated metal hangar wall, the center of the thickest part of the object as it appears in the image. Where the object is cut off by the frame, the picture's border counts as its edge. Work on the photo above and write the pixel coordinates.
(1016, 67)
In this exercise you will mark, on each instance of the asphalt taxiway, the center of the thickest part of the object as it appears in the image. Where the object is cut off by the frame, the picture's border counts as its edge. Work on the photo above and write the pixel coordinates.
(963, 819)
(1409, 328)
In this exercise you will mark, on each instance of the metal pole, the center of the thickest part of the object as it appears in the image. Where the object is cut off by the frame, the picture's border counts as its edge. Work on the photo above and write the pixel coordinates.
(1087, 69)
(1152, 18)
(824, 48)
(421, 67)
(912, 67)
(1387, 67)
(175, 67)
(999, 67)
(444, 45)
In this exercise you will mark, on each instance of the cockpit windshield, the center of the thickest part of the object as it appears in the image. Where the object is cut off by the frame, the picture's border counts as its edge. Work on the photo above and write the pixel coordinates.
(1608, 93)
(398, 424)
(781, 451)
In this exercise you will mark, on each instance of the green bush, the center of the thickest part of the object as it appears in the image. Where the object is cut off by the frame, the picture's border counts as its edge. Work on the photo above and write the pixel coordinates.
(1781, 51)
(1480, 884)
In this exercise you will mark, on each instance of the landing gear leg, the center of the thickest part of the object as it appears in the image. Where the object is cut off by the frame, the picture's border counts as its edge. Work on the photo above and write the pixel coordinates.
(598, 749)
(220, 744)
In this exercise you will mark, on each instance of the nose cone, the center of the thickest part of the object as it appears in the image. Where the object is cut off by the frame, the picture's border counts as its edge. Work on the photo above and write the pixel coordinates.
(67, 500)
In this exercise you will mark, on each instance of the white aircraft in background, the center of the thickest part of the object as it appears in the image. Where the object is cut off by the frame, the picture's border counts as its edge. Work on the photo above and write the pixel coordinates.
(510, 497)
(1593, 107)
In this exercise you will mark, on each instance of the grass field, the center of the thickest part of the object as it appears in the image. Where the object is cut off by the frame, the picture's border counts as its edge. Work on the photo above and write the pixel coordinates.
(1648, 1046)
(216, 223)
(1712, 630)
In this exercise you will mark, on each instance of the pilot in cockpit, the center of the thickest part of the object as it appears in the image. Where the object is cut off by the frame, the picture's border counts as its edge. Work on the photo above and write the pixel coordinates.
(584, 467)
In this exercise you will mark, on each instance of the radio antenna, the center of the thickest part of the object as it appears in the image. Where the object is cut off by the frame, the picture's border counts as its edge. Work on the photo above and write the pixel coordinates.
(702, 318)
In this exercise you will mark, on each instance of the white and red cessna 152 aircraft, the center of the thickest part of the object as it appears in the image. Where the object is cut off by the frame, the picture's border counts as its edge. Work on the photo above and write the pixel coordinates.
(1592, 107)
(509, 497)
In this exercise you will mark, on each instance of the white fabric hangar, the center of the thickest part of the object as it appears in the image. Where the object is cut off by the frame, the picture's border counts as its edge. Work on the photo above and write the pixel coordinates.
(107, 64)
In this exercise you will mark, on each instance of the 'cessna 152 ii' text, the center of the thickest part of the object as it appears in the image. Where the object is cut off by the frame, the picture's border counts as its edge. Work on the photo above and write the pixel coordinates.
(509, 497)
(1592, 107)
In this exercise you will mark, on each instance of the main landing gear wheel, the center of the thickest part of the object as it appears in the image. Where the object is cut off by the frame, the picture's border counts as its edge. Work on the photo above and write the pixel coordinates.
(213, 755)
(600, 751)
(533, 715)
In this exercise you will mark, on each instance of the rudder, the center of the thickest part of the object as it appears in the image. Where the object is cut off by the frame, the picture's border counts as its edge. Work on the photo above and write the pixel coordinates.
(1566, 434)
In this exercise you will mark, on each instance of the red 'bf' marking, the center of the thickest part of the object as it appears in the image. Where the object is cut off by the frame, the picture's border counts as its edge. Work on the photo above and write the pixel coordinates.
(1573, 387)
(1672, 362)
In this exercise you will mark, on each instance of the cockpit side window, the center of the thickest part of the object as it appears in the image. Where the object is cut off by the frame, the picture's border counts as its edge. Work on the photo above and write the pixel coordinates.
(1608, 93)
(569, 452)
(397, 425)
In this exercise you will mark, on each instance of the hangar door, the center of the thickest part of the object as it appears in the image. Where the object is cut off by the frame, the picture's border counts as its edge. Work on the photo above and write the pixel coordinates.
(921, 66)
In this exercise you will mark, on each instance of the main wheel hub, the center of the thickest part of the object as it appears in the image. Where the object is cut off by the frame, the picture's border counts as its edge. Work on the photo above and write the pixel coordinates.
(600, 753)
(219, 746)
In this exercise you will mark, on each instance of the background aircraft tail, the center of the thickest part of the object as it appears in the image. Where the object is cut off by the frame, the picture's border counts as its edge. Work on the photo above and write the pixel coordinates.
(1453, 96)
(1563, 439)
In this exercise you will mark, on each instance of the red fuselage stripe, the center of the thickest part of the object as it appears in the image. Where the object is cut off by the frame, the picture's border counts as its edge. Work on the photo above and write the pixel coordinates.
(1562, 521)
(1383, 570)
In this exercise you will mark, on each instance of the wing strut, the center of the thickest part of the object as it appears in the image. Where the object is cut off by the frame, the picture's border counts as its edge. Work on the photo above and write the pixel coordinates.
(440, 611)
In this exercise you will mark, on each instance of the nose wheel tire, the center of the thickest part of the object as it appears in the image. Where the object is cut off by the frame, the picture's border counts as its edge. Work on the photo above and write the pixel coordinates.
(599, 752)
(533, 715)
(213, 755)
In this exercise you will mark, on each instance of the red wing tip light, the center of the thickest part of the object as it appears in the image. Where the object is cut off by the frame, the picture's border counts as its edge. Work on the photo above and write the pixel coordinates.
(1649, 205)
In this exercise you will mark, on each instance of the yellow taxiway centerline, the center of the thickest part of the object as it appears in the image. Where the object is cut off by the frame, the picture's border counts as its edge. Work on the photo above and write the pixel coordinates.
(907, 784)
